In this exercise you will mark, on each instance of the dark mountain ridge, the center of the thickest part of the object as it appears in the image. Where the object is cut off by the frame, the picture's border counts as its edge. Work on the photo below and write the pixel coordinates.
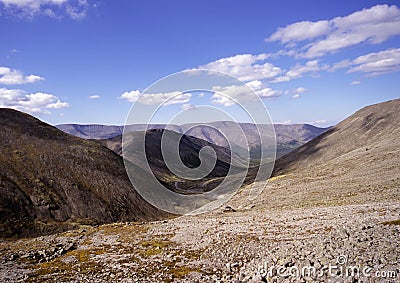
(51, 181)
(288, 137)
(189, 149)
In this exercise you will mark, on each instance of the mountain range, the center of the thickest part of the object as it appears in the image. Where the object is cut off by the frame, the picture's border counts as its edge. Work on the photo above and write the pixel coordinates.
(51, 181)
(288, 136)
(338, 194)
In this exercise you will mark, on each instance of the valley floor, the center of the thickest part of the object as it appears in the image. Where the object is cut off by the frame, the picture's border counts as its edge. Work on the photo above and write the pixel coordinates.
(306, 239)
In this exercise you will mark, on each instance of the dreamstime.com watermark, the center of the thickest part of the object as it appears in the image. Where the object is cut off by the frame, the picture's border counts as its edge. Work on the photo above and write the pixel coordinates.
(340, 269)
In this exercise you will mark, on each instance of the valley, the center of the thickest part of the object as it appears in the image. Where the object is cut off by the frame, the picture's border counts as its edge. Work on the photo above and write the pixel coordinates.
(334, 201)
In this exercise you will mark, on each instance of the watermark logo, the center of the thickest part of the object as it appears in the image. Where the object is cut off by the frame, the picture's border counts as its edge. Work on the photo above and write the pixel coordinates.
(193, 162)
(340, 269)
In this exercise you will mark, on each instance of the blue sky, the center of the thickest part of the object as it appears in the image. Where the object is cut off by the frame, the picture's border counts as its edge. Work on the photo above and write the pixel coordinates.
(77, 61)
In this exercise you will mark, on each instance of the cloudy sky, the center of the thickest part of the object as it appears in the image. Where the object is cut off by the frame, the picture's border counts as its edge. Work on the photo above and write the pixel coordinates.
(87, 61)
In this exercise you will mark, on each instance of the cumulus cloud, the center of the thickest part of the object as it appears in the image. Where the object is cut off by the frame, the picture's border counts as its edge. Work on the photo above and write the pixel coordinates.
(233, 94)
(94, 97)
(29, 102)
(245, 67)
(168, 98)
(262, 90)
(298, 70)
(374, 25)
(355, 83)
(340, 65)
(374, 64)
(131, 96)
(248, 67)
(298, 91)
(300, 31)
(75, 9)
(13, 77)
(312, 39)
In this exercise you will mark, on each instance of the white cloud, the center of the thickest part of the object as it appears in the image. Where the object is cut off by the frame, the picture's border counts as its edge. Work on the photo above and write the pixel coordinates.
(75, 9)
(32, 103)
(248, 67)
(340, 65)
(298, 91)
(300, 31)
(131, 96)
(245, 67)
(374, 25)
(188, 106)
(281, 79)
(373, 64)
(262, 90)
(77, 12)
(33, 4)
(355, 83)
(378, 63)
(168, 98)
(13, 77)
(231, 95)
(298, 70)
(94, 97)
(295, 96)
(318, 122)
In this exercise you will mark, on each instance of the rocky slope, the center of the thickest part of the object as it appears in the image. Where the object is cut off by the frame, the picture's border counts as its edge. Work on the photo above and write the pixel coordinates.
(343, 213)
(52, 181)
(219, 247)
(369, 136)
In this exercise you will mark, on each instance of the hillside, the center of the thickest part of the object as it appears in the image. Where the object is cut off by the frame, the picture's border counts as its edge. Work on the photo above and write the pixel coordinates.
(189, 148)
(288, 137)
(355, 162)
(52, 181)
(370, 135)
(337, 197)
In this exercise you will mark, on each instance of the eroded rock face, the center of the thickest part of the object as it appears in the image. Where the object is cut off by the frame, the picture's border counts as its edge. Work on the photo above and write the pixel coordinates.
(51, 181)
